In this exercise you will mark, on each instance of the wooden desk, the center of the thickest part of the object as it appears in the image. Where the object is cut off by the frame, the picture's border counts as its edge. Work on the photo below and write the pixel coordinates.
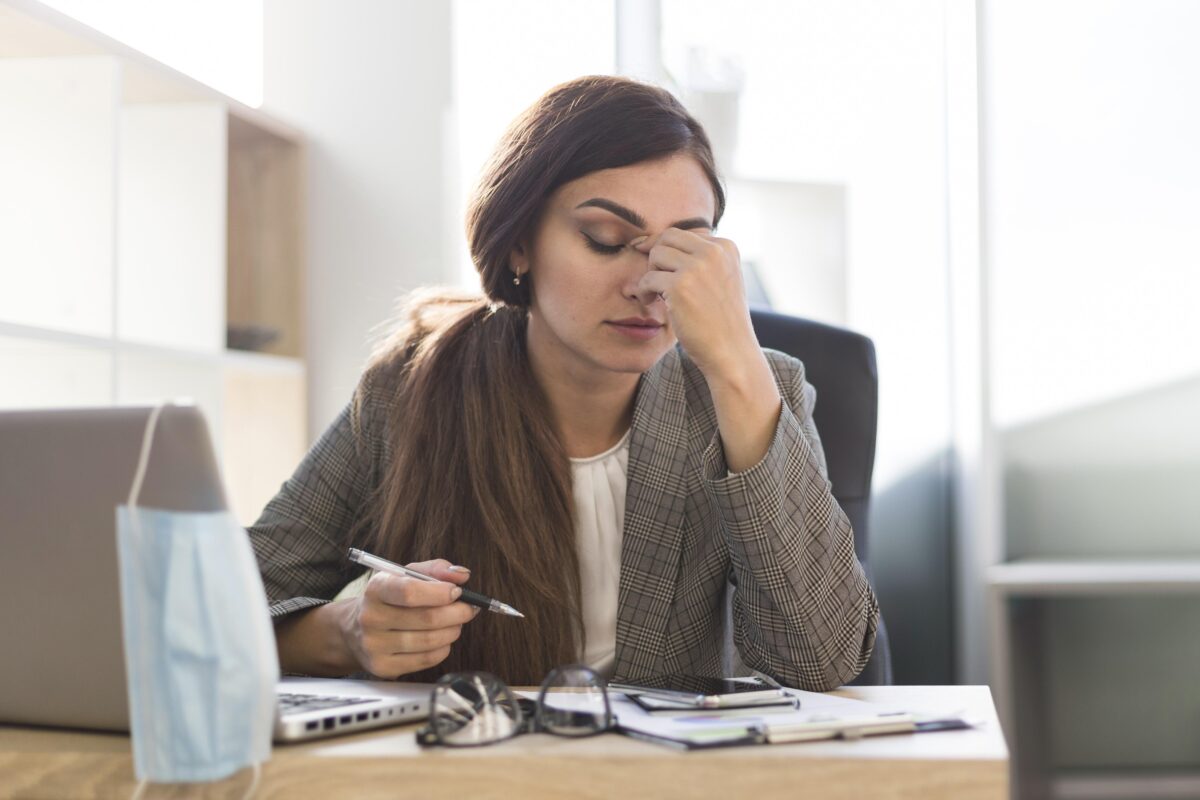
(387, 764)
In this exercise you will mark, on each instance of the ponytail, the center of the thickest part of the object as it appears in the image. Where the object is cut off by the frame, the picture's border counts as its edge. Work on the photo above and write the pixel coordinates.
(479, 476)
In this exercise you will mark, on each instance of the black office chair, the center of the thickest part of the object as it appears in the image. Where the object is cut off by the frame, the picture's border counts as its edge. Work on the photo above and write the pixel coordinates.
(840, 364)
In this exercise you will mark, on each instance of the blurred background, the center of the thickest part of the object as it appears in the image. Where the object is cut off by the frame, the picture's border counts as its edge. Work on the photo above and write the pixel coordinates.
(223, 200)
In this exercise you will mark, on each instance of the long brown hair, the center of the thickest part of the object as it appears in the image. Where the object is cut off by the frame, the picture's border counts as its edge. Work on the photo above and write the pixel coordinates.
(478, 473)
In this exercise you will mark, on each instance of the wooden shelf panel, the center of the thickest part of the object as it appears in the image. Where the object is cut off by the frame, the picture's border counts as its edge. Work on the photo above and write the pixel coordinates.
(262, 438)
(264, 248)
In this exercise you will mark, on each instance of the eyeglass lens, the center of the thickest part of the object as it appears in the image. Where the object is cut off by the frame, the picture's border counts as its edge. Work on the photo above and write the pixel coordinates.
(473, 708)
(573, 702)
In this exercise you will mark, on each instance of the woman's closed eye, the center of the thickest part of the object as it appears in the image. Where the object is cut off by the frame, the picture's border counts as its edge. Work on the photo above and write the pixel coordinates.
(607, 249)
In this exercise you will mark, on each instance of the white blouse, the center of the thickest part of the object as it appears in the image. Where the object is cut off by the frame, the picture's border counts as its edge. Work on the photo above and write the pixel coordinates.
(599, 487)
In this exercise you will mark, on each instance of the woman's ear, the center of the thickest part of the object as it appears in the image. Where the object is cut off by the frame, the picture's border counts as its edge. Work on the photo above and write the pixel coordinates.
(518, 260)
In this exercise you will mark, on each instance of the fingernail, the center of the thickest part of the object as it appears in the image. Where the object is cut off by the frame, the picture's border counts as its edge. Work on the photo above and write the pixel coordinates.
(638, 241)
(455, 593)
(477, 610)
(457, 568)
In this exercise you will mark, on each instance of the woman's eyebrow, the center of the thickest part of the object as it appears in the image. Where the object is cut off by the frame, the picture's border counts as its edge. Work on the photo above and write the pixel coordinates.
(634, 218)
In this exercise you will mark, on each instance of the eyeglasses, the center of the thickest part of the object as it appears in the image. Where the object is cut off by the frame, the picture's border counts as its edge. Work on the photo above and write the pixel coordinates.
(476, 708)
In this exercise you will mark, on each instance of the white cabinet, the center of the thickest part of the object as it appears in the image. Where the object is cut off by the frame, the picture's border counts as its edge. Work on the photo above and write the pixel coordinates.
(150, 234)
(41, 374)
(171, 218)
(792, 239)
(58, 140)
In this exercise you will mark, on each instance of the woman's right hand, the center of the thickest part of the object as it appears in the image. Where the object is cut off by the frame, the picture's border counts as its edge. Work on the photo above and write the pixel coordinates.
(400, 625)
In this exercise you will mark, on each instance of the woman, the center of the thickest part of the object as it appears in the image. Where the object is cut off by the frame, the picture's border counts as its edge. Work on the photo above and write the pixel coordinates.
(599, 442)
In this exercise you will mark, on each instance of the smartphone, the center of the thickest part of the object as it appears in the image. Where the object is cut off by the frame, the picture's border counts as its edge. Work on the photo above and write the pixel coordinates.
(696, 691)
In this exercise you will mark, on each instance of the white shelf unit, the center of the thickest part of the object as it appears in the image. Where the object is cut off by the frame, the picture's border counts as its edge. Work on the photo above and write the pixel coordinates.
(142, 215)
(1016, 652)
(792, 238)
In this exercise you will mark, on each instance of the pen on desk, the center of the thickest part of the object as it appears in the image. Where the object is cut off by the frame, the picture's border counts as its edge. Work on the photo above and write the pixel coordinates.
(473, 598)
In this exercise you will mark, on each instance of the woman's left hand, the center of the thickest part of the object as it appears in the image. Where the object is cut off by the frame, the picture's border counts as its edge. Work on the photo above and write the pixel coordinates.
(699, 275)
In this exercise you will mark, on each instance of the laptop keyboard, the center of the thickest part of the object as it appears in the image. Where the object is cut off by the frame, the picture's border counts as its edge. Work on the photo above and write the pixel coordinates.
(296, 703)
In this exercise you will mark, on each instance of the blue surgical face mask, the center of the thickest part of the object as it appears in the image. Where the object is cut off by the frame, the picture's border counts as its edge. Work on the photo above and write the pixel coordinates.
(200, 655)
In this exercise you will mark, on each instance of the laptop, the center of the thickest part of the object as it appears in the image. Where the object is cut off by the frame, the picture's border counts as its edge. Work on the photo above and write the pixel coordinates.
(62, 473)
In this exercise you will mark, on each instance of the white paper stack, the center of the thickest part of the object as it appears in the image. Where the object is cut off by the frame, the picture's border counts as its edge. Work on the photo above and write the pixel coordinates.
(820, 716)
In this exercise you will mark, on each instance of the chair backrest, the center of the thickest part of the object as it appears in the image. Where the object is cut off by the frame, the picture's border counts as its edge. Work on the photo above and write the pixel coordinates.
(840, 364)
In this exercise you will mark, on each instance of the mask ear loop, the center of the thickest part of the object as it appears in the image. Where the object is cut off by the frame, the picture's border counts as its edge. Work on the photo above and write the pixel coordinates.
(144, 456)
(254, 783)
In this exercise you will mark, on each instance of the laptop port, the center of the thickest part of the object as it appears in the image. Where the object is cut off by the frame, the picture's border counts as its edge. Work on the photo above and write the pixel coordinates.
(361, 717)
(374, 715)
(344, 720)
(328, 725)
(310, 726)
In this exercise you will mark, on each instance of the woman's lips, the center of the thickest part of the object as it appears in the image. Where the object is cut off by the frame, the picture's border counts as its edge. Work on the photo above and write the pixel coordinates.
(640, 330)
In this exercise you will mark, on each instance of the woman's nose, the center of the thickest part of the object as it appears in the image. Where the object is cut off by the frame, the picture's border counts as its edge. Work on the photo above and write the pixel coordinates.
(634, 290)
(642, 244)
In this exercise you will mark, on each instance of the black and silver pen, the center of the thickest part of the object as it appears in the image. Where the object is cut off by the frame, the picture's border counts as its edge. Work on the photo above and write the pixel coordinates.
(473, 598)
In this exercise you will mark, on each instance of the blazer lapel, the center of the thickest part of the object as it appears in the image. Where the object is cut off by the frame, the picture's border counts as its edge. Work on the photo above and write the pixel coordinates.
(655, 499)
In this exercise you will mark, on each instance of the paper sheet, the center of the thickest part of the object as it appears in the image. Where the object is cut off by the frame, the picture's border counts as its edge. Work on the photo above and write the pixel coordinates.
(814, 707)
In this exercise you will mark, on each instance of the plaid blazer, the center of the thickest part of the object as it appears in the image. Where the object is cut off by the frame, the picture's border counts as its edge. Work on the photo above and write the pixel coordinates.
(803, 611)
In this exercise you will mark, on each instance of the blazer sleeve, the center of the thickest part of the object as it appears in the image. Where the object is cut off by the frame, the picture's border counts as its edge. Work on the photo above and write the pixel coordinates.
(803, 610)
(301, 537)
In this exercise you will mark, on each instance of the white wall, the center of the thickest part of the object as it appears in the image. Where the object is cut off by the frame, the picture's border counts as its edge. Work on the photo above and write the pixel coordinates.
(1093, 205)
(1092, 201)
(369, 83)
(506, 55)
